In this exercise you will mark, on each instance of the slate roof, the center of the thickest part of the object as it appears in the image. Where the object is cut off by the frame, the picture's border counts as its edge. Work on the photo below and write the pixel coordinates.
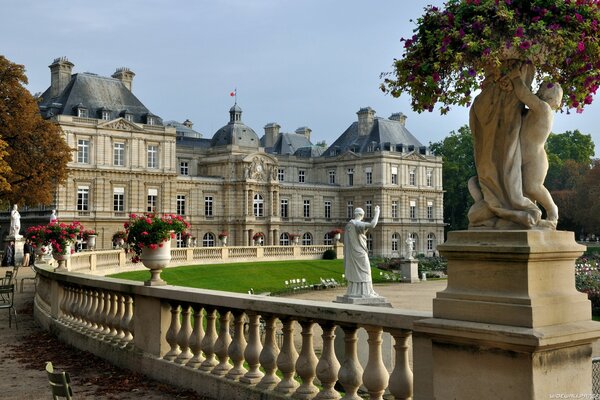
(183, 130)
(384, 134)
(235, 132)
(95, 93)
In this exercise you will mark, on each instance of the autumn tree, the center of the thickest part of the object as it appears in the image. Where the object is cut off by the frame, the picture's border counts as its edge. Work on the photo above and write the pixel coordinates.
(36, 155)
(456, 151)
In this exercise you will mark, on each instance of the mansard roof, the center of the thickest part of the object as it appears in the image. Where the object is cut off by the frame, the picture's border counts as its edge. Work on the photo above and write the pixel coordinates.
(235, 132)
(95, 93)
(384, 133)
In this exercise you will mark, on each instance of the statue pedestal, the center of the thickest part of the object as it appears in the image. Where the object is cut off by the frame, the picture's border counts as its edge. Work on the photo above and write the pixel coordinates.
(19, 245)
(363, 301)
(510, 322)
(409, 270)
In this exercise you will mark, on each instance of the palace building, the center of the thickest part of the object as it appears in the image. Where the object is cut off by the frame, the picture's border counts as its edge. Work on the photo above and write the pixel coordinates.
(128, 160)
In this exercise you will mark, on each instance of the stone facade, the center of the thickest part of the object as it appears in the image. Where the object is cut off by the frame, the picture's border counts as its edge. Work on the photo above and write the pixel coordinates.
(126, 160)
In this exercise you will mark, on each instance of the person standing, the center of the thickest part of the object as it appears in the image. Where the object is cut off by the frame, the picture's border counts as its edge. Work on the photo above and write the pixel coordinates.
(9, 255)
(26, 253)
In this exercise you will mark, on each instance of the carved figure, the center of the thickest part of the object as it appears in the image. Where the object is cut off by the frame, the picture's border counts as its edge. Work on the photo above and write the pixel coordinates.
(410, 244)
(53, 216)
(15, 223)
(356, 255)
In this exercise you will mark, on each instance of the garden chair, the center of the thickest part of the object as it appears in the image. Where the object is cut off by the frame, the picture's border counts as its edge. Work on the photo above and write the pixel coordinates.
(7, 301)
(60, 383)
(7, 280)
(29, 278)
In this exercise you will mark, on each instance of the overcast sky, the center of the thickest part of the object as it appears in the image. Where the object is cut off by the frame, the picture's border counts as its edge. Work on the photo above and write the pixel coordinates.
(308, 63)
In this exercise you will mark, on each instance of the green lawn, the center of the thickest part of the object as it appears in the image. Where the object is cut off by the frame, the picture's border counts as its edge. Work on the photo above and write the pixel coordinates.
(240, 277)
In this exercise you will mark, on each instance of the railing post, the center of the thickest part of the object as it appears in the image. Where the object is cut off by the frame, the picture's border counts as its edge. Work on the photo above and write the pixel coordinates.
(189, 254)
(237, 347)
(222, 344)
(286, 362)
(269, 355)
(208, 342)
(401, 379)
(253, 350)
(350, 375)
(183, 337)
(328, 366)
(306, 364)
(151, 321)
(93, 261)
(122, 259)
(196, 339)
(376, 376)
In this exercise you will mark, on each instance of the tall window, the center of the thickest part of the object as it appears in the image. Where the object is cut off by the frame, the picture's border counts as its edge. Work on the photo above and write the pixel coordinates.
(413, 209)
(350, 209)
(350, 176)
(83, 151)
(327, 209)
(184, 168)
(395, 241)
(412, 177)
(152, 156)
(327, 239)
(118, 199)
(301, 176)
(306, 209)
(429, 209)
(332, 177)
(430, 242)
(258, 206)
(280, 174)
(119, 154)
(369, 209)
(284, 208)
(152, 200)
(394, 175)
(208, 206)
(306, 239)
(284, 239)
(83, 198)
(429, 178)
(208, 240)
(394, 208)
(369, 243)
(180, 204)
(369, 176)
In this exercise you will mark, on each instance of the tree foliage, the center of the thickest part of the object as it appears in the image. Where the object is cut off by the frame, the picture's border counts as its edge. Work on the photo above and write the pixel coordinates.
(35, 151)
(587, 206)
(456, 151)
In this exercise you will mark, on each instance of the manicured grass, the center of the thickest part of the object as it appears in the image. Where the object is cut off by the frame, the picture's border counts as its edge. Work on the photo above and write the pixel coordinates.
(240, 277)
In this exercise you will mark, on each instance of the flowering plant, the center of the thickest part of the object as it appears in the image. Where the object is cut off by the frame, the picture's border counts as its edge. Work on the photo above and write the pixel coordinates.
(223, 234)
(36, 234)
(258, 235)
(119, 235)
(335, 231)
(454, 48)
(151, 230)
(60, 235)
(85, 234)
(186, 235)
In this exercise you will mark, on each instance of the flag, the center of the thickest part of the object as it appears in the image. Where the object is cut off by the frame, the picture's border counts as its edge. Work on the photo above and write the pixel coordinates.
(232, 94)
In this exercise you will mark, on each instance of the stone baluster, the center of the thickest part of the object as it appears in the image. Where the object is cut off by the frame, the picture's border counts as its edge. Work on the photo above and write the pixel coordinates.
(350, 374)
(87, 311)
(106, 317)
(119, 319)
(183, 337)
(401, 379)
(196, 339)
(376, 376)
(82, 303)
(268, 355)
(172, 332)
(253, 350)
(237, 347)
(93, 314)
(328, 366)
(111, 318)
(286, 362)
(208, 342)
(102, 310)
(127, 321)
(306, 364)
(65, 306)
(222, 344)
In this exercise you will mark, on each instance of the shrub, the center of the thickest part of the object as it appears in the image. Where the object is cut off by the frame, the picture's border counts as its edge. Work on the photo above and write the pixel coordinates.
(587, 279)
(329, 254)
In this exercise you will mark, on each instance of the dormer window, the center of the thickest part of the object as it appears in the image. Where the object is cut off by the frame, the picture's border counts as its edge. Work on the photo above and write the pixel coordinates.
(127, 115)
(151, 119)
(105, 114)
(81, 111)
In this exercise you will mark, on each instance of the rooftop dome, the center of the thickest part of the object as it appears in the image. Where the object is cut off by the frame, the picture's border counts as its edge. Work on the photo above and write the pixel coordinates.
(235, 132)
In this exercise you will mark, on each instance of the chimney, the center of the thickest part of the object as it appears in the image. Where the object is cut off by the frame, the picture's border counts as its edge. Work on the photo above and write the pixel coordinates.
(188, 123)
(125, 75)
(271, 133)
(398, 117)
(60, 75)
(305, 131)
(366, 117)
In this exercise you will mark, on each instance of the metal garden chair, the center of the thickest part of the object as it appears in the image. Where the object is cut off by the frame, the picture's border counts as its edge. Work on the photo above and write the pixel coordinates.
(60, 383)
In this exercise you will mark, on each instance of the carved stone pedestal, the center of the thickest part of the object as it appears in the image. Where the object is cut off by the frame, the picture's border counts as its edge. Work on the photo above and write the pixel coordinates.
(510, 324)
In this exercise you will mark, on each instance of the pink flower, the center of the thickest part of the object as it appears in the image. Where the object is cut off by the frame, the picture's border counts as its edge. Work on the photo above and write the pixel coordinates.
(148, 220)
(145, 233)
(519, 32)
(581, 47)
(153, 246)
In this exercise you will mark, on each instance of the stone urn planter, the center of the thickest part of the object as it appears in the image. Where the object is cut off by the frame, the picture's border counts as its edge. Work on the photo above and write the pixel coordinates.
(224, 241)
(337, 237)
(91, 242)
(119, 242)
(296, 240)
(155, 260)
(62, 258)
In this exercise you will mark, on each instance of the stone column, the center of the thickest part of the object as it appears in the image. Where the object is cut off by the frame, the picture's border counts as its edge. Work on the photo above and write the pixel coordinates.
(510, 322)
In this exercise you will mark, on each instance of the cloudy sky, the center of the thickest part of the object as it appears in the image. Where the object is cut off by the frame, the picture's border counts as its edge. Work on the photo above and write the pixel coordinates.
(298, 63)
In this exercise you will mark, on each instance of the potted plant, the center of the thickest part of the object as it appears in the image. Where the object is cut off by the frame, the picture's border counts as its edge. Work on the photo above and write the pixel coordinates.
(223, 237)
(118, 238)
(336, 234)
(257, 238)
(294, 238)
(36, 235)
(61, 237)
(186, 237)
(89, 236)
(149, 240)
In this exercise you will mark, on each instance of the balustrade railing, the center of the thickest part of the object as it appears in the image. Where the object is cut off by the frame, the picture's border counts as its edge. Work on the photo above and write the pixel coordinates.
(230, 337)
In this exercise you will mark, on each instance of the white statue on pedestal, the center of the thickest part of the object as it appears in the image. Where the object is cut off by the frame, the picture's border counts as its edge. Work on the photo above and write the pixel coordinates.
(357, 267)
(53, 216)
(15, 223)
(410, 243)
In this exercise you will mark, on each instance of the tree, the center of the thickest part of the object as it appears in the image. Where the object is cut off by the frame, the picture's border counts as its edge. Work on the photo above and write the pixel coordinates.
(456, 151)
(36, 152)
(571, 145)
(587, 206)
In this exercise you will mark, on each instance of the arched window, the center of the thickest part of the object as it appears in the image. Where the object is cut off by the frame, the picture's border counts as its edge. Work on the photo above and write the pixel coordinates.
(284, 239)
(369, 243)
(431, 242)
(208, 240)
(258, 206)
(306, 239)
(328, 239)
(395, 241)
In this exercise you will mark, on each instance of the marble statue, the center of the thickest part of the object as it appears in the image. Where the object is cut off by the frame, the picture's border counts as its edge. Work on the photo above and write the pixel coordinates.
(356, 256)
(410, 244)
(15, 222)
(53, 216)
(508, 140)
